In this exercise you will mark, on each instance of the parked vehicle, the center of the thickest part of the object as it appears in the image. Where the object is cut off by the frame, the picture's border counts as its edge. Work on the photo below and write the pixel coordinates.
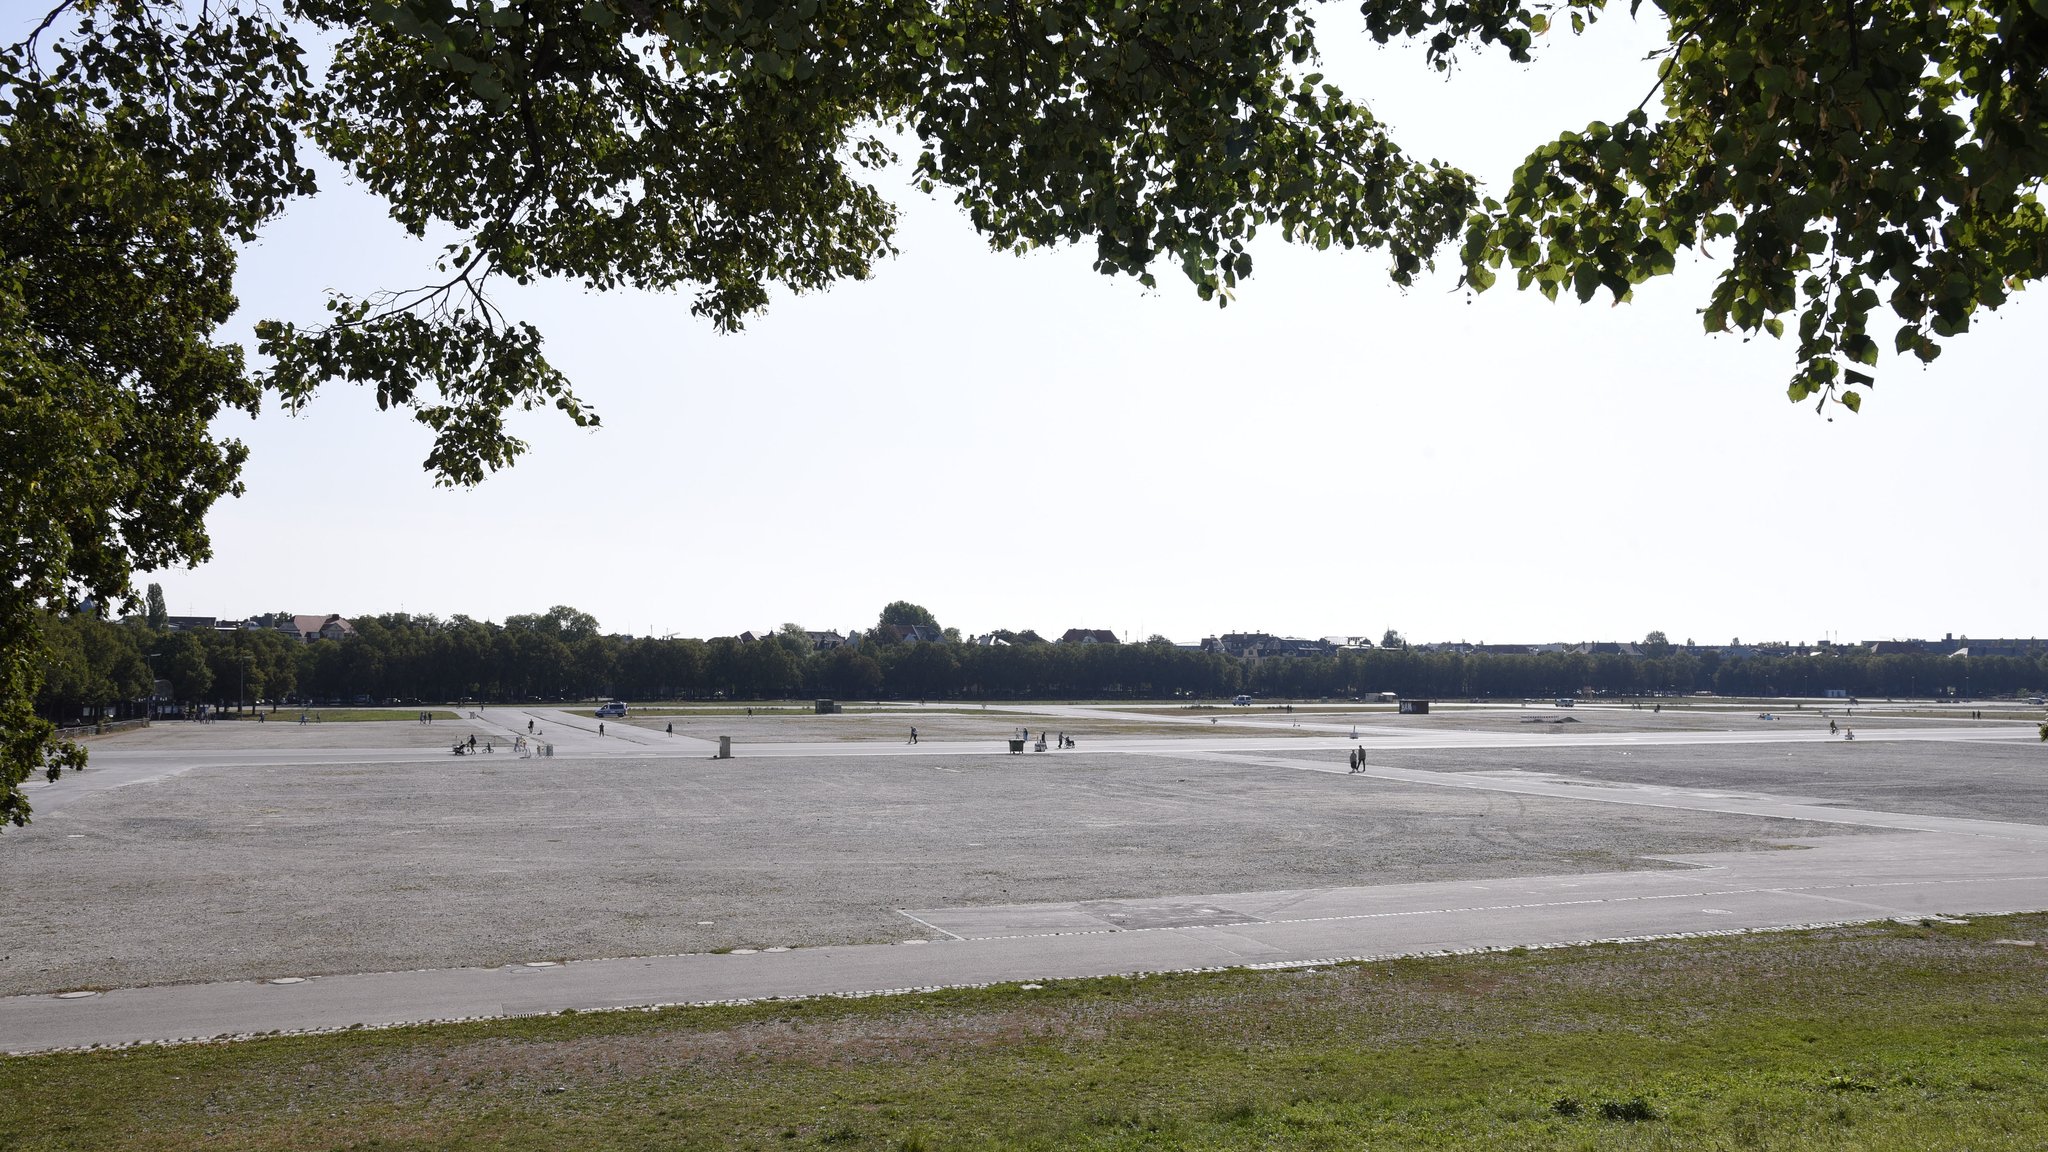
(1242, 702)
(1566, 702)
(613, 708)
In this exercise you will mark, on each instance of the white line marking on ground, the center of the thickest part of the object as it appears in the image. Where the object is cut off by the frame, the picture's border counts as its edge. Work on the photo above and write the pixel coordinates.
(930, 925)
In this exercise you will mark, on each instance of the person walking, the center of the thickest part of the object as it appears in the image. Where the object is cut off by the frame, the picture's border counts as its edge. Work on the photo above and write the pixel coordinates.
(671, 729)
(600, 727)
(1352, 756)
(529, 727)
(913, 735)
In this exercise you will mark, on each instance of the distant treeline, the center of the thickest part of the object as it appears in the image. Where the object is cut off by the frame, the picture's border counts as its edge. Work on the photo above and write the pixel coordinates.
(562, 655)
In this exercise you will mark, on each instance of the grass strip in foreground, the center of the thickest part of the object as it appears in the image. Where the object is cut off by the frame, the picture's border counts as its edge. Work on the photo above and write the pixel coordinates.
(1872, 1038)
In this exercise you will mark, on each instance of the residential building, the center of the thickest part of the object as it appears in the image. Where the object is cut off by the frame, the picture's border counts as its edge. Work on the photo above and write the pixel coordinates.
(1088, 636)
(308, 628)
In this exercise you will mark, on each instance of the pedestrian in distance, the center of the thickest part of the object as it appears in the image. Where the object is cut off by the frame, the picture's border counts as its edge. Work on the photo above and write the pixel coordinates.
(529, 727)
(1063, 741)
(600, 727)
(671, 728)
(913, 735)
(1352, 756)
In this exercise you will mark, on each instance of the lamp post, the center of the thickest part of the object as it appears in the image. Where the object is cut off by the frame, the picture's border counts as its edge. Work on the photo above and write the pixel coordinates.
(150, 659)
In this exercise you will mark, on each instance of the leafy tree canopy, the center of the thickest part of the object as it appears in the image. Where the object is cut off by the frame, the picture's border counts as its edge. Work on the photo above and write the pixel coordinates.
(905, 614)
(561, 622)
(1842, 159)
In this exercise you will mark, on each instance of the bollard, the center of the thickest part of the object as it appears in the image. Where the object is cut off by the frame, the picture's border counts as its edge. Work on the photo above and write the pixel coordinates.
(725, 748)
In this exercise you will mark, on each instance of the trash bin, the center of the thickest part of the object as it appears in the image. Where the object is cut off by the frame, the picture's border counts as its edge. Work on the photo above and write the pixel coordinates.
(1016, 745)
(725, 747)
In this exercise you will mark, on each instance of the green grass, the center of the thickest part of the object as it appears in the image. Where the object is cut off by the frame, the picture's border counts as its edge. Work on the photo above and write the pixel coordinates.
(351, 715)
(1876, 1038)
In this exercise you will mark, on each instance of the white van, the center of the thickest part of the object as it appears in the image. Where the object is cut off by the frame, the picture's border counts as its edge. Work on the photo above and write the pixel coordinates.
(1242, 702)
(614, 708)
(1565, 701)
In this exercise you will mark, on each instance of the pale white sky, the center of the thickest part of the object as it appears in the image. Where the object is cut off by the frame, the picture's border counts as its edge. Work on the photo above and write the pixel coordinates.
(1022, 443)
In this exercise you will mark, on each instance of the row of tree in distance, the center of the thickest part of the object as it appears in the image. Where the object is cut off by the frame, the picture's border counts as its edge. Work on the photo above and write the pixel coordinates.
(562, 654)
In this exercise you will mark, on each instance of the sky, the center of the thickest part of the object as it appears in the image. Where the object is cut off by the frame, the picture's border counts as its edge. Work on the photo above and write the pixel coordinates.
(1023, 443)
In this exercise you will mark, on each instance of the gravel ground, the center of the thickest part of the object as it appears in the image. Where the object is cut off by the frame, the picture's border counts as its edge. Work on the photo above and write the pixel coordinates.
(993, 725)
(1588, 720)
(1932, 778)
(225, 873)
(282, 734)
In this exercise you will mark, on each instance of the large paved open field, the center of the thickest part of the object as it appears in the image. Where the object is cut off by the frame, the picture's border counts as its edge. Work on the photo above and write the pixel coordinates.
(192, 855)
(261, 871)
